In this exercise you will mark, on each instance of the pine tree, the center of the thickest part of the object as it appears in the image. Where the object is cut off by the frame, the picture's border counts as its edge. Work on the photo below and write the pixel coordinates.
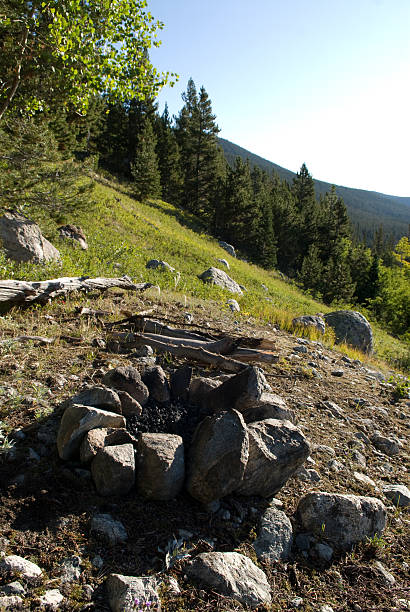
(113, 141)
(303, 190)
(285, 224)
(311, 273)
(338, 285)
(169, 161)
(238, 213)
(264, 245)
(147, 179)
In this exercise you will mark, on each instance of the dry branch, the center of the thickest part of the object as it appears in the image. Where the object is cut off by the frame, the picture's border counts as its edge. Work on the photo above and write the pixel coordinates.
(18, 292)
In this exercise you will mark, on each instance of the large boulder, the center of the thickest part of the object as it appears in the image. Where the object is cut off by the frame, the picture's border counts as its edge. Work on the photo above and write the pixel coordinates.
(343, 520)
(314, 321)
(218, 277)
(351, 327)
(124, 591)
(155, 379)
(199, 389)
(275, 536)
(22, 239)
(98, 438)
(75, 234)
(113, 469)
(228, 248)
(77, 421)
(276, 450)
(233, 575)
(240, 391)
(218, 456)
(160, 466)
(127, 378)
(269, 406)
(99, 397)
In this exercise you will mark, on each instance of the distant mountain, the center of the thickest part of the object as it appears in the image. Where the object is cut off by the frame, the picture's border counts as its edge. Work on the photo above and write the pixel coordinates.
(367, 209)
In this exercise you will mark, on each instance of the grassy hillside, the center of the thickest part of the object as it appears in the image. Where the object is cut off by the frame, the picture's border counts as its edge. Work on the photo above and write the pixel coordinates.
(124, 234)
(367, 209)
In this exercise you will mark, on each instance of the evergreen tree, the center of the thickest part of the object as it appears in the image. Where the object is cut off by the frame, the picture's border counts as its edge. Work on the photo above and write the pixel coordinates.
(338, 285)
(147, 179)
(239, 215)
(303, 190)
(169, 161)
(311, 273)
(285, 224)
(263, 247)
(113, 141)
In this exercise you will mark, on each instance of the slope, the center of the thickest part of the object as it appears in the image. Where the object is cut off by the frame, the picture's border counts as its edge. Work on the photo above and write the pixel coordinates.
(367, 209)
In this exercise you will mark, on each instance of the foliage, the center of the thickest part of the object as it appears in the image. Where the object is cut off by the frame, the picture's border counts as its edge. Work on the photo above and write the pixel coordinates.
(62, 53)
(145, 170)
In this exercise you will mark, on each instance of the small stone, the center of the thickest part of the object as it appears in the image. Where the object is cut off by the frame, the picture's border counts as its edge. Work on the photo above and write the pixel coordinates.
(11, 602)
(14, 588)
(97, 562)
(233, 305)
(52, 599)
(124, 590)
(156, 381)
(113, 469)
(173, 586)
(70, 569)
(296, 602)
(387, 577)
(18, 565)
(304, 541)
(324, 551)
(88, 592)
(359, 458)
(337, 373)
(398, 494)
(275, 536)
(388, 446)
(364, 480)
(326, 608)
(107, 528)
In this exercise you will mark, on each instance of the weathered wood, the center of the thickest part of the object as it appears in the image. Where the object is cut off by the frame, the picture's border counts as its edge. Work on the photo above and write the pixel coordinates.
(153, 326)
(17, 292)
(252, 355)
(37, 339)
(223, 346)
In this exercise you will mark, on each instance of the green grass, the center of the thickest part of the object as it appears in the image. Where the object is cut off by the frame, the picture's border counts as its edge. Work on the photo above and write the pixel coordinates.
(124, 234)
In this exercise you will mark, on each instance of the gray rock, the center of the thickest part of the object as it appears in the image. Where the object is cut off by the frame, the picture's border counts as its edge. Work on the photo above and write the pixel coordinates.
(239, 392)
(275, 536)
(70, 570)
(108, 529)
(335, 410)
(14, 588)
(51, 600)
(199, 389)
(232, 575)
(359, 458)
(351, 327)
(218, 277)
(160, 466)
(180, 381)
(307, 475)
(74, 233)
(22, 239)
(224, 262)
(388, 446)
(364, 480)
(343, 520)
(233, 306)
(398, 494)
(75, 423)
(11, 602)
(269, 406)
(158, 264)
(387, 577)
(304, 541)
(310, 321)
(98, 562)
(113, 470)
(326, 608)
(22, 567)
(157, 383)
(124, 590)
(227, 247)
(218, 456)
(99, 397)
(127, 378)
(98, 438)
(276, 450)
(323, 551)
(296, 602)
(129, 406)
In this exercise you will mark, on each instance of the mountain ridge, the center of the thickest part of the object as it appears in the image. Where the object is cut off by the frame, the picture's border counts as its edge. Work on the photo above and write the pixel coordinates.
(367, 209)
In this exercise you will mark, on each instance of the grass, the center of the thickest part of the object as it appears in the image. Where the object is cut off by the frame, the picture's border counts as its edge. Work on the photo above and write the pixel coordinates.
(124, 234)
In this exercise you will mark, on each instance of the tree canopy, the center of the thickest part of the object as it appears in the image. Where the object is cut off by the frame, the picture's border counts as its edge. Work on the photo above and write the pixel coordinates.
(65, 51)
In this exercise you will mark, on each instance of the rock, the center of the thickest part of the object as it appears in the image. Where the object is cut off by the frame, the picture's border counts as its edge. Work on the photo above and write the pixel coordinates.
(98, 438)
(14, 588)
(218, 277)
(232, 575)
(307, 475)
(157, 383)
(75, 423)
(75, 233)
(388, 446)
(224, 262)
(11, 602)
(228, 248)
(26, 570)
(199, 389)
(233, 305)
(337, 373)
(129, 406)
(99, 397)
(98, 562)
(364, 480)
(127, 378)
(343, 520)
(387, 577)
(359, 458)
(160, 466)
(269, 406)
(144, 350)
(108, 529)
(180, 381)
(51, 600)
(217, 457)
(239, 392)
(398, 494)
(125, 591)
(113, 470)
(155, 264)
(70, 569)
(351, 327)
(22, 239)
(326, 608)
(310, 321)
(334, 409)
(296, 602)
(275, 536)
(324, 552)
(276, 450)
(304, 541)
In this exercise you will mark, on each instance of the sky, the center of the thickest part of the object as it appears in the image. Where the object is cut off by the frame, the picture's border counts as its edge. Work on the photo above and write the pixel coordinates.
(321, 82)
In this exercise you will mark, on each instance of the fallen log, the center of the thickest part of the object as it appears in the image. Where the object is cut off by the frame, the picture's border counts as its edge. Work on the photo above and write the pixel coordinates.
(131, 340)
(36, 339)
(18, 292)
(153, 326)
(252, 355)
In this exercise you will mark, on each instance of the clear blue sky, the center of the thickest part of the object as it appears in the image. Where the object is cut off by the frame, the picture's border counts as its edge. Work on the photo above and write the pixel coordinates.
(325, 82)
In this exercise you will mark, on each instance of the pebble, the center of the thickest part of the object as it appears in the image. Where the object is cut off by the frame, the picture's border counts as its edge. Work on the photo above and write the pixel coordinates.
(324, 551)
(338, 373)
(296, 602)
(386, 576)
